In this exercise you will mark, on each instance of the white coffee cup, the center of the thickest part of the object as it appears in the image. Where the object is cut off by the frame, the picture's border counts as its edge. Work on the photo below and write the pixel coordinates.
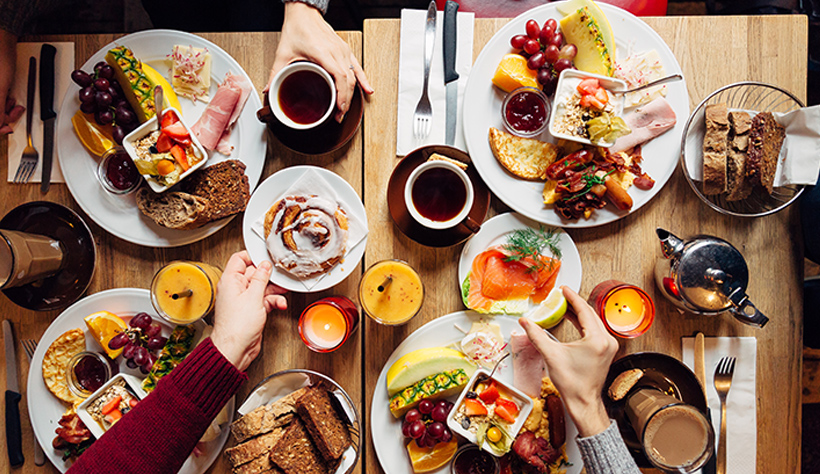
(276, 85)
(440, 214)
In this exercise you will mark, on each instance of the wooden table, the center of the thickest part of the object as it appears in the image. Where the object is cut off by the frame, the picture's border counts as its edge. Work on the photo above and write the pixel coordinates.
(713, 51)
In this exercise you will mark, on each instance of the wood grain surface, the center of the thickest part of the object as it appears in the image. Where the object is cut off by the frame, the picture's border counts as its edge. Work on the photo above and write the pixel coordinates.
(713, 52)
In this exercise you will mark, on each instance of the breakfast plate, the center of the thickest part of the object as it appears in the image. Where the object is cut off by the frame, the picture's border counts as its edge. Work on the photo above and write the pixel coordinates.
(45, 410)
(388, 440)
(118, 214)
(495, 232)
(482, 106)
(266, 196)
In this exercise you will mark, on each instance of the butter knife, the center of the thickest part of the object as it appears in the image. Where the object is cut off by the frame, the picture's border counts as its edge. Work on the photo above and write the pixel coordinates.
(14, 439)
(700, 373)
(47, 114)
(450, 74)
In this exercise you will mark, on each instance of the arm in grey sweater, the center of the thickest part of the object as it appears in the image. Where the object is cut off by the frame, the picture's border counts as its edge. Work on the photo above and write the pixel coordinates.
(606, 453)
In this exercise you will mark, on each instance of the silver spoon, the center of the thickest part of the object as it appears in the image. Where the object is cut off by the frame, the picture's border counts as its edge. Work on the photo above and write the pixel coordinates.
(482, 377)
(663, 80)
(158, 105)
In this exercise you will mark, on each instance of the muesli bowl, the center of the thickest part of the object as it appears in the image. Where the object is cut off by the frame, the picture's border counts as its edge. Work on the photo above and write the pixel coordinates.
(751, 97)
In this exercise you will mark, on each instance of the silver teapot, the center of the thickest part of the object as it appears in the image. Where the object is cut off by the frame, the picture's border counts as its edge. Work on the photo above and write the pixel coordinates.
(706, 276)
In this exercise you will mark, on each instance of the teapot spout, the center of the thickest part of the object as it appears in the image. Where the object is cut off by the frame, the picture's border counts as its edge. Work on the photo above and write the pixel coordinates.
(671, 245)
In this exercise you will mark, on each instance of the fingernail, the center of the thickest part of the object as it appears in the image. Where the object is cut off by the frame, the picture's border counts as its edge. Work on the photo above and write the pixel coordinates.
(266, 265)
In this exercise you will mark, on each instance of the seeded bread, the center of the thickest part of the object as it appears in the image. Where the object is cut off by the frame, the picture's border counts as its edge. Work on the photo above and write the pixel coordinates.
(224, 186)
(737, 187)
(260, 465)
(715, 147)
(323, 423)
(765, 140)
(295, 453)
(175, 210)
(254, 447)
(267, 418)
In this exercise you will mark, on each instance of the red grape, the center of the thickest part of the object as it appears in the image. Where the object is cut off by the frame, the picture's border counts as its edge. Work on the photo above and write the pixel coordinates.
(140, 355)
(131, 364)
(81, 78)
(405, 429)
(103, 99)
(98, 66)
(557, 39)
(446, 436)
(128, 351)
(562, 64)
(532, 46)
(119, 341)
(518, 41)
(544, 76)
(430, 442)
(552, 23)
(546, 34)
(149, 363)
(106, 72)
(426, 406)
(156, 343)
(141, 320)
(416, 429)
(102, 84)
(154, 328)
(412, 416)
(533, 30)
(536, 60)
(435, 430)
(568, 51)
(439, 414)
(88, 107)
(118, 134)
(87, 95)
(551, 54)
(443, 404)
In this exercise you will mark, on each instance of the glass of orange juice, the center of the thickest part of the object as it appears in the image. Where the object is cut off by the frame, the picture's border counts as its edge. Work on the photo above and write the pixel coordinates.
(391, 292)
(626, 310)
(184, 292)
(326, 324)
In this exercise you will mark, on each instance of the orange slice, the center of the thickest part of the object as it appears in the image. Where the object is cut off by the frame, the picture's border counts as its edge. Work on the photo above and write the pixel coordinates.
(512, 73)
(104, 325)
(431, 459)
(90, 134)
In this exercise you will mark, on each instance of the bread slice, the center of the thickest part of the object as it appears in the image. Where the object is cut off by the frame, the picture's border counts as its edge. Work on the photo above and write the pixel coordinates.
(224, 187)
(322, 421)
(260, 465)
(526, 158)
(267, 418)
(295, 453)
(623, 383)
(715, 147)
(765, 140)
(175, 210)
(254, 447)
(737, 187)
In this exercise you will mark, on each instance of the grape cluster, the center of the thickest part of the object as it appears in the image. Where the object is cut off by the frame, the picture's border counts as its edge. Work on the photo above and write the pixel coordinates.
(545, 51)
(139, 342)
(426, 424)
(102, 96)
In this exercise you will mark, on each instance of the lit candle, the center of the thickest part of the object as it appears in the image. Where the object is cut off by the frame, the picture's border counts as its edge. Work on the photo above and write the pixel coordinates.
(326, 324)
(626, 310)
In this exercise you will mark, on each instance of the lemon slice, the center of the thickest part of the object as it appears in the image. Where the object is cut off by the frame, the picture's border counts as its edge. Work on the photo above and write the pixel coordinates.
(91, 136)
(104, 325)
(551, 311)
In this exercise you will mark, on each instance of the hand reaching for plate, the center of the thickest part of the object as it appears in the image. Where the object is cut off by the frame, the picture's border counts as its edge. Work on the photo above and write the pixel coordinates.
(306, 35)
(579, 368)
(10, 112)
(244, 297)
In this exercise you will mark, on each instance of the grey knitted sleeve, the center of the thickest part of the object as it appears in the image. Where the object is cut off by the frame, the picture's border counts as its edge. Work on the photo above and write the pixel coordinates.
(321, 5)
(606, 453)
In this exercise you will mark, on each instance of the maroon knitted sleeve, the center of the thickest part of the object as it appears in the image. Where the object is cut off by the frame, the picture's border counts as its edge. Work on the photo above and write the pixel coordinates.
(162, 430)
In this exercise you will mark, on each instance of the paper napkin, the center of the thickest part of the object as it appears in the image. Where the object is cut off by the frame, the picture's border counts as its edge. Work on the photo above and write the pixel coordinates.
(63, 65)
(312, 183)
(741, 406)
(411, 77)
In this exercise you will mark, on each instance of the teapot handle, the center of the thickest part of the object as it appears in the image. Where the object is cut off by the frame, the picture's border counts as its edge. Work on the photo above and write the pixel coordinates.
(747, 313)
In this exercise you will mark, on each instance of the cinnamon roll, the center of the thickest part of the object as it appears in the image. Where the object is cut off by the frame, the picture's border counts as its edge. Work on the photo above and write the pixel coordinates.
(306, 235)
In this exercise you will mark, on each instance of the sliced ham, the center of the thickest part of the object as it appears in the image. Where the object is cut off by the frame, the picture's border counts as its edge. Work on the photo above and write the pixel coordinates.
(528, 365)
(213, 129)
(646, 122)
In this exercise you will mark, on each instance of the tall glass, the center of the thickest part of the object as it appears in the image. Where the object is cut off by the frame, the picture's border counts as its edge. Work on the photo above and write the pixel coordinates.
(184, 292)
(391, 292)
(25, 258)
(626, 310)
(326, 324)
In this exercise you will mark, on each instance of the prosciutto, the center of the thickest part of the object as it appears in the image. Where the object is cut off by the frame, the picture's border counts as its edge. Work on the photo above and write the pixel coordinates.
(528, 365)
(646, 122)
(213, 129)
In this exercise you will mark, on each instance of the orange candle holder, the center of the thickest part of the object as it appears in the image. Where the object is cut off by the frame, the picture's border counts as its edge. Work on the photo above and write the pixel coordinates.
(626, 310)
(326, 324)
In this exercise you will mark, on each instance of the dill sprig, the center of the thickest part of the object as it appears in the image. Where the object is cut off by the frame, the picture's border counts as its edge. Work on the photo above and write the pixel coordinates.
(529, 242)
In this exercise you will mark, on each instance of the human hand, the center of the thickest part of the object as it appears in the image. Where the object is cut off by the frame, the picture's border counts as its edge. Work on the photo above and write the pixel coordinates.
(244, 297)
(578, 368)
(306, 35)
(10, 112)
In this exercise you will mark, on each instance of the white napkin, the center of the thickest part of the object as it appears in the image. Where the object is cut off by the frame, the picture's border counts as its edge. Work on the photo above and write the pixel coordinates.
(411, 77)
(63, 65)
(741, 407)
(312, 183)
(799, 160)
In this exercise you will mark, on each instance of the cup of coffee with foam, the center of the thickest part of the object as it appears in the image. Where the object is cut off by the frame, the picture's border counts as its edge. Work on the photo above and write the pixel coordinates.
(439, 195)
(302, 95)
(26, 258)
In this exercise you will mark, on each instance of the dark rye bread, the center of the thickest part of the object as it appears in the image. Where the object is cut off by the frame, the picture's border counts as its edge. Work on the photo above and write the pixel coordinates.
(260, 465)
(254, 447)
(175, 210)
(224, 186)
(322, 421)
(765, 140)
(737, 186)
(295, 453)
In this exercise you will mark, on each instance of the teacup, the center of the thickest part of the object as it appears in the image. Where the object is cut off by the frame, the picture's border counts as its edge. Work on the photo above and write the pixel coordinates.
(439, 195)
(302, 95)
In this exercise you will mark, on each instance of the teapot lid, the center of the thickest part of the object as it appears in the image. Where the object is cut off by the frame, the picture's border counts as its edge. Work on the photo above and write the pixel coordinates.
(709, 271)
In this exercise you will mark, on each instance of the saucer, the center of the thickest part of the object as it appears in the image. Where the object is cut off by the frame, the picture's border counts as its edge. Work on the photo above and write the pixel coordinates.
(62, 224)
(326, 138)
(398, 209)
(662, 372)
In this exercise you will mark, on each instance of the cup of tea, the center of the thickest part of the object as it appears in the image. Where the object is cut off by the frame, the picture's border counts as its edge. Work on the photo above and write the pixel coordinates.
(676, 437)
(302, 95)
(25, 258)
(439, 195)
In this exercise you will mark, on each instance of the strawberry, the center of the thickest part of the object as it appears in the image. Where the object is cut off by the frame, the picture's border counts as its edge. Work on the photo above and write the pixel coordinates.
(474, 407)
(177, 131)
(169, 118)
(179, 155)
(504, 413)
(588, 86)
(164, 143)
(490, 394)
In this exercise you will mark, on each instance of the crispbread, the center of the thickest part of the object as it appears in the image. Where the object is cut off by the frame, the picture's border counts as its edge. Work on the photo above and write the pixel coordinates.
(328, 431)
(55, 362)
(254, 447)
(295, 453)
(266, 418)
(526, 158)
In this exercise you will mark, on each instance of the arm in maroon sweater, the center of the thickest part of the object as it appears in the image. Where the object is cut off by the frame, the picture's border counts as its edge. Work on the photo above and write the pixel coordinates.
(158, 434)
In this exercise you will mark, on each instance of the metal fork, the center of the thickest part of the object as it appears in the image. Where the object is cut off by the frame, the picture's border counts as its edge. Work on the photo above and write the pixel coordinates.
(30, 345)
(423, 117)
(723, 382)
(28, 162)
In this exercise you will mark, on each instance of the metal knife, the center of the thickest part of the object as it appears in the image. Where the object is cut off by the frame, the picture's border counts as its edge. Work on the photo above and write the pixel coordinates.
(450, 74)
(13, 435)
(47, 114)
(700, 373)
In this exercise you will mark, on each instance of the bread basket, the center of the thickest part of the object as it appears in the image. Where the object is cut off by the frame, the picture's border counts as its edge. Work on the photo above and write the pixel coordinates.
(751, 97)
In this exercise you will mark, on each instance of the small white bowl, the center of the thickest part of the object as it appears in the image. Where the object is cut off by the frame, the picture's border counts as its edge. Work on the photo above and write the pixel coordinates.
(567, 82)
(283, 74)
(134, 385)
(520, 398)
(130, 145)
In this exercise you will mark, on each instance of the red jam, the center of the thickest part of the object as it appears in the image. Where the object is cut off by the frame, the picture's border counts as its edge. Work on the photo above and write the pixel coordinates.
(121, 171)
(526, 112)
(90, 373)
(474, 461)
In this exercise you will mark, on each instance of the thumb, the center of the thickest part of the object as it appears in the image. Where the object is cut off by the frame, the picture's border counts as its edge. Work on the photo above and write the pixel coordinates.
(544, 344)
(259, 280)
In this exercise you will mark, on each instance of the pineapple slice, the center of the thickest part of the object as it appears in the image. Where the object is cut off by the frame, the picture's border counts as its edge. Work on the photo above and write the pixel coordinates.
(441, 385)
(136, 85)
(581, 29)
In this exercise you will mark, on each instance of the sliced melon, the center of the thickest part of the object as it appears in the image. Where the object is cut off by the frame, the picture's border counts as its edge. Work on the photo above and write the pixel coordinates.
(138, 89)
(582, 30)
(421, 363)
(567, 8)
(169, 96)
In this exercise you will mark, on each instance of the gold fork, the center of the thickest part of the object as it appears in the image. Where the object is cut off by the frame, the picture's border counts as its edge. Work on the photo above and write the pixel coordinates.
(28, 162)
(723, 382)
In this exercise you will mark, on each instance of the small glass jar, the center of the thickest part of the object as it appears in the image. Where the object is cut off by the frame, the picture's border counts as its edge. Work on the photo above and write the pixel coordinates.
(117, 173)
(526, 112)
(87, 372)
(470, 458)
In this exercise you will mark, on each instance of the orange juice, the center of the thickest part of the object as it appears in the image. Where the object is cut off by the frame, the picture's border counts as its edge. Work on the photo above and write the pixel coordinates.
(626, 310)
(326, 324)
(184, 292)
(391, 292)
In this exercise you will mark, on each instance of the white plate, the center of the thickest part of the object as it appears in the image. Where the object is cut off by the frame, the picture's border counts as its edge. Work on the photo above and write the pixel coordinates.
(495, 231)
(263, 198)
(119, 214)
(482, 110)
(45, 410)
(386, 430)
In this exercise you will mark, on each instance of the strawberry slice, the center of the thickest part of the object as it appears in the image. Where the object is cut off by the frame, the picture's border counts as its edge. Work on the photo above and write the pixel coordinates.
(591, 102)
(111, 405)
(508, 405)
(589, 86)
(490, 394)
(177, 131)
(602, 96)
(169, 118)
(164, 143)
(504, 413)
(474, 407)
(179, 155)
